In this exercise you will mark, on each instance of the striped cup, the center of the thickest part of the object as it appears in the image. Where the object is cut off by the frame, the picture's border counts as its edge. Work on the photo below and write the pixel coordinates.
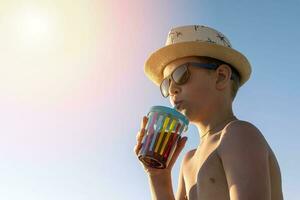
(164, 128)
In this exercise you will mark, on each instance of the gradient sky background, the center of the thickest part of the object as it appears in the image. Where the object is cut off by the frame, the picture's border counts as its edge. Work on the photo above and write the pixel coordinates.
(73, 91)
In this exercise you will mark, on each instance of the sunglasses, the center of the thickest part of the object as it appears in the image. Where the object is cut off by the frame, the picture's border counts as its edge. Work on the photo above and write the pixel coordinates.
(182, 74)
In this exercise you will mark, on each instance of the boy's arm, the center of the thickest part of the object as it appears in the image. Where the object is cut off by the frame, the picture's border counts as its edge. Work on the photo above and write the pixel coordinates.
(161, 187)
(244, 155)
(181, 192)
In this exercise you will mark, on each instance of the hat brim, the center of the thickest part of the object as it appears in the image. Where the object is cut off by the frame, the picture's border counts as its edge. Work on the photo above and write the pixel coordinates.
(158, 60)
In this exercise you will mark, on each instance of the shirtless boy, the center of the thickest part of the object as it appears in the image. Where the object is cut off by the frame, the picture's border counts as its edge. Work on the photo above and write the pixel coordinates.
(201, 73)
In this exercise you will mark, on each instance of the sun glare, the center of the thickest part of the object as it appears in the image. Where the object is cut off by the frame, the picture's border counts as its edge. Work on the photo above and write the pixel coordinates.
(33, 26)
(45, 48)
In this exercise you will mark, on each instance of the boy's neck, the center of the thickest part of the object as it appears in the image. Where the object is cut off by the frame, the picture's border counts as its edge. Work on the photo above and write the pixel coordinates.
(215, 122)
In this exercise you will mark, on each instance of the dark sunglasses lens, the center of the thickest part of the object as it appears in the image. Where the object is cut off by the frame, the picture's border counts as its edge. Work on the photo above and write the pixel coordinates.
(181, 75)
(164, 87)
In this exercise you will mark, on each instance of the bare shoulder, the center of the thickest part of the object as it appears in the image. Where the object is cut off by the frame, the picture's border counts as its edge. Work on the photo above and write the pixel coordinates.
(188, 156)
(242, 132)
(241, 127)
(244, 155)
(238, 123)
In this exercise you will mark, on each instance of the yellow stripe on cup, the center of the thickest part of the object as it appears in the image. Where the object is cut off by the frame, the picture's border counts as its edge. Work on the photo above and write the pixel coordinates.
(167, 137)
(162, 133)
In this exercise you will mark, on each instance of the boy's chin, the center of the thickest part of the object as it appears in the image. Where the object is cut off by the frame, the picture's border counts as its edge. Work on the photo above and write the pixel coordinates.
(187, 114)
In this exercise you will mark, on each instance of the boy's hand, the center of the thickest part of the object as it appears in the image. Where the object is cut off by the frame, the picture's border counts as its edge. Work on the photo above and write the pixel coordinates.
(153, 171)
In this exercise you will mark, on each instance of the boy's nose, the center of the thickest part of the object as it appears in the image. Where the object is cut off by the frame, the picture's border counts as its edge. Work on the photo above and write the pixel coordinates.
(174, 89)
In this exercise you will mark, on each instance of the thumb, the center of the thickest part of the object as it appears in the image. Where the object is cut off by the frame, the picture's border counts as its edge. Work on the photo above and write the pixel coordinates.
(179, 147)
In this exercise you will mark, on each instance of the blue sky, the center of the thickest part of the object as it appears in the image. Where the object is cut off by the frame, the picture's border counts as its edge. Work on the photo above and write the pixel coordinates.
(71, 107)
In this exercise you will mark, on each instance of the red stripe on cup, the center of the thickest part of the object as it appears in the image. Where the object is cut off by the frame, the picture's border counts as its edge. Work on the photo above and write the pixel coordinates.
(172, 141)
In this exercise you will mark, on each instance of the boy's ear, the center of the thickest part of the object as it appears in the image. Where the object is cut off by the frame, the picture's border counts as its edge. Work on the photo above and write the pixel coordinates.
(223, 74)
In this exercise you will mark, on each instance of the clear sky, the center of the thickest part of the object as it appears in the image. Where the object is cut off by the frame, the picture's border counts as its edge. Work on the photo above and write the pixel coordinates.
(73, 91)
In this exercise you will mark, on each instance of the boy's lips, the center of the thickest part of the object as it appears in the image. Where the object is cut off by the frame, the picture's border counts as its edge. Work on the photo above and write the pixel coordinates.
(178, 104)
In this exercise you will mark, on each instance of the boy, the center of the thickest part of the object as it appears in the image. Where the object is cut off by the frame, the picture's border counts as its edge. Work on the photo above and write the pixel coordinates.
(201, 73)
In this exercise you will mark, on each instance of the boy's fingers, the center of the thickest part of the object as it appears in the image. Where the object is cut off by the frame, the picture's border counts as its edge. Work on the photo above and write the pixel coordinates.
(136, 148)
(140, 135)
(144, 122)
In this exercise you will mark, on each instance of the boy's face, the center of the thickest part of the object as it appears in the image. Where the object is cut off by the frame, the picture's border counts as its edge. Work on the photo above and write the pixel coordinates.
(198, 93)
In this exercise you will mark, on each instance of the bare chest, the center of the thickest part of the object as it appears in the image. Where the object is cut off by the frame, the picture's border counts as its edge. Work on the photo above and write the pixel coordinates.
(204, 175)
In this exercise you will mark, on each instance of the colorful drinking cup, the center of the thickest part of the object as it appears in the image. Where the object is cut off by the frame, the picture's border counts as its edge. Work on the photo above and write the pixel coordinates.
(163, 129)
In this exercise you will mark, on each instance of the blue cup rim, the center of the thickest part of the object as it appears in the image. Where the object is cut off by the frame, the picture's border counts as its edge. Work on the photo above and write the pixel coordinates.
(170, 111)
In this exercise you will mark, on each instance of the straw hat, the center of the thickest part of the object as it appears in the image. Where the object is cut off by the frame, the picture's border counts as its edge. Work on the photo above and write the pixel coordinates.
(195, 40)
